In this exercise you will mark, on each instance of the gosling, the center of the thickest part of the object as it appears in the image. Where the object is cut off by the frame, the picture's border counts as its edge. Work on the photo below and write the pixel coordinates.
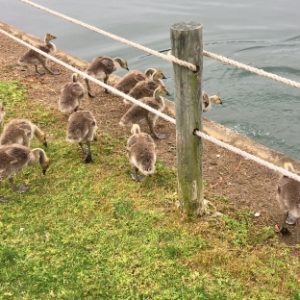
(81, 129)
(142, 153)
(22, 131)
(207, 101)
(136, 113)
(15, 157)
(129, 81)
(101, 67)
(288, 197)
(146, 87)
(31, 57)
(2, 113)
(71, 95)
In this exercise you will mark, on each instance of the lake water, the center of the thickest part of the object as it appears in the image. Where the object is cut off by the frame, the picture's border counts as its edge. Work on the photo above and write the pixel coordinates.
(265, 34)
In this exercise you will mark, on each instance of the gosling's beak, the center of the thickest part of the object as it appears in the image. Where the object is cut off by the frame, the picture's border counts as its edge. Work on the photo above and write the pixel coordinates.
(167, 93)
(44, 171)
(127, 69)
(164, 77)
(45, 144)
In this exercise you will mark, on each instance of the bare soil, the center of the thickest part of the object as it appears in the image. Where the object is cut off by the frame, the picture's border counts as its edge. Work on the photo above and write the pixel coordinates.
(247, 185)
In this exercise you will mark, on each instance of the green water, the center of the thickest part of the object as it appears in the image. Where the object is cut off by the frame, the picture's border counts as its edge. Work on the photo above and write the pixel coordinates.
(265, 34)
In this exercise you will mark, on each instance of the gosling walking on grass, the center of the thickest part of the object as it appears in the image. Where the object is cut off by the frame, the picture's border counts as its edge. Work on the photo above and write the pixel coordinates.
(71, 95)
(15, 157)
(142, 153)
(82, 128)
(22, 131)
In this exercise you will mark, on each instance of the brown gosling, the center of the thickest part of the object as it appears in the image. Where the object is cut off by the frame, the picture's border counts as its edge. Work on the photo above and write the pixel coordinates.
(136, 113)
(288, 197)
(129, 81)
(82, 128)
(141, 152)
(2, 113)
(22, 131)
(101, 67)
(33, 58)
(70, 96)
(146, 87)
(208, 100)
(15, 157)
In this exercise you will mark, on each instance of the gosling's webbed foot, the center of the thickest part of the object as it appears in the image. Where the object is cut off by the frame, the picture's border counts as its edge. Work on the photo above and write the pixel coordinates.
(88, 159)
(137, 177)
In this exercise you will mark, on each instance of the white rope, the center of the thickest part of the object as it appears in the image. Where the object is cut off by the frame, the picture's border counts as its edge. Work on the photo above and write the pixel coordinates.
(169, 58)
(247, 155)
(84, 75)
(250, 69)
(158, 113)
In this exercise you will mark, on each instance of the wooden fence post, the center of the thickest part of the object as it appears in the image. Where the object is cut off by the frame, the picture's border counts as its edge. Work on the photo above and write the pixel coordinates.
(186, 39)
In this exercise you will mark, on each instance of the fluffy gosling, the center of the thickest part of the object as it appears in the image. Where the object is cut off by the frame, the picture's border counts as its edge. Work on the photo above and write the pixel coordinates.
(288, 197)
(101, 67)
(142, 153)
(33, 58)
(82, 128)
(22, 131)
(70, 96)
(136, 113)
(128, 81)
(15, 157)
(146, 87)
(207, 101)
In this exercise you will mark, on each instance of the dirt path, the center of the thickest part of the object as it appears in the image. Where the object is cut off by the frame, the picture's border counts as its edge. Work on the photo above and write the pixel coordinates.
(247, 185)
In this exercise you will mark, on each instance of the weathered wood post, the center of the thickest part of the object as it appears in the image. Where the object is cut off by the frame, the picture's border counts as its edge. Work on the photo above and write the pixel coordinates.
(186, 39)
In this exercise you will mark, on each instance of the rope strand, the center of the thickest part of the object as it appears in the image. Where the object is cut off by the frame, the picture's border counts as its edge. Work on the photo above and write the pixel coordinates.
(250, 69)
(158, 113)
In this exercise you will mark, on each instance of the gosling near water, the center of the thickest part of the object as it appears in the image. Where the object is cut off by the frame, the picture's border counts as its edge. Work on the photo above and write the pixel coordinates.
(31, 57)
(146, 87)
(70, 96)
(2, 113)
(101, 67)
(129, 81)
(288, 197)
(142, 153)
(136, 113)
(22, 131)
(15, 157)
(207, 101)
(82, 128)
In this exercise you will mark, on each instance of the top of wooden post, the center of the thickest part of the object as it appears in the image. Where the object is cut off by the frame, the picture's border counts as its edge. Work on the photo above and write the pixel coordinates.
(186, 26)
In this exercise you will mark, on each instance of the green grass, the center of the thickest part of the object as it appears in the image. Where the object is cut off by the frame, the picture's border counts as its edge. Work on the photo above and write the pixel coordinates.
(90, 232)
